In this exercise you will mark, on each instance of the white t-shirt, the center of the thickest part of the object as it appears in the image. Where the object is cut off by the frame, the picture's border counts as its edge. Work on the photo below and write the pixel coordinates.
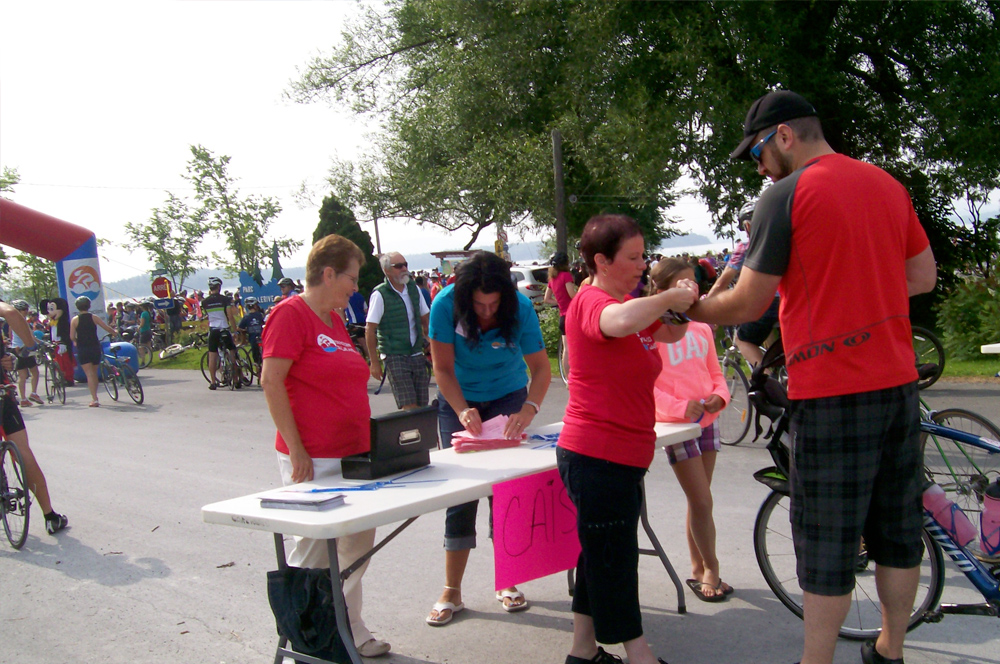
(376, 307)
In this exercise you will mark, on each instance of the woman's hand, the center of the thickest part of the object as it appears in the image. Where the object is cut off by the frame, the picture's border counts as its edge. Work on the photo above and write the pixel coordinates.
(714, 403)
(695, 409)
(302, 465)
(518, 422)
(683, 295)
(470, 419)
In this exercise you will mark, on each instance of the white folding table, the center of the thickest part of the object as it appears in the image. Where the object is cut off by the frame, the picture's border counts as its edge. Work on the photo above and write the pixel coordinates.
(451, 479)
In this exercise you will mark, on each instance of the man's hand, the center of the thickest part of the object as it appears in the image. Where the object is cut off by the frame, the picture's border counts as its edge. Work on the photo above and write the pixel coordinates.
(376, 369)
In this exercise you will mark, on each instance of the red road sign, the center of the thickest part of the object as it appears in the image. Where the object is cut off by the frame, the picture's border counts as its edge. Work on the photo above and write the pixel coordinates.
(161, 287)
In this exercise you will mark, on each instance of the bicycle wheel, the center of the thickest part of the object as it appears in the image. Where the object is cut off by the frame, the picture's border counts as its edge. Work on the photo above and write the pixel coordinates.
(132, 384)
(250, 368)
(60, 388)
(734, 421)
(16, 501)
(110, 380)
(204, 367)
(50, 377)
(772, 543)
(145, 356)
(963, 471)
(928, 350)
(563, 359)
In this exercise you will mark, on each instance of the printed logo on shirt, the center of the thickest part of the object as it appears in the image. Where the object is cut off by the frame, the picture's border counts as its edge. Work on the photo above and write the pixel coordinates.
(691, 346)
(500, 345)
(647, 341)
(332, 345)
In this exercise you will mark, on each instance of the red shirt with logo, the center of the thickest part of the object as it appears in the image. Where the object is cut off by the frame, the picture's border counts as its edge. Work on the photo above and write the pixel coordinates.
(327, 383)
(611, 411)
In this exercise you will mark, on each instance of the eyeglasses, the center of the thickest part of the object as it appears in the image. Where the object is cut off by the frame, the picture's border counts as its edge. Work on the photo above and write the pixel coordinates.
(755, 151)
(354, 279)
(398, 266)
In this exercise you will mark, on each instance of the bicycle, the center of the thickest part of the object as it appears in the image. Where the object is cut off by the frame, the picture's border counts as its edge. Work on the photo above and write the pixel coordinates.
(562, 355)
(116, 373)
(227, 372)
(775, 553)
(734, 420)
(15, 501)
(55, 380)
(198, 340)
(929, 352)
(251, 368)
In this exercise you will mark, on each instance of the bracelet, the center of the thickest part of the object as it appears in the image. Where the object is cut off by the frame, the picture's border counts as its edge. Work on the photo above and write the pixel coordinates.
(533, 405)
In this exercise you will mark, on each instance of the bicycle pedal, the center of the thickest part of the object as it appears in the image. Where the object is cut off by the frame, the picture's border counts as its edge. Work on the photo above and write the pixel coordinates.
(933, 616)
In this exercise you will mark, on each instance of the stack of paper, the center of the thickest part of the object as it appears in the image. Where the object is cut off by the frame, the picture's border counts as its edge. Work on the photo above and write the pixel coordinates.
(490, 438)
(302, 500)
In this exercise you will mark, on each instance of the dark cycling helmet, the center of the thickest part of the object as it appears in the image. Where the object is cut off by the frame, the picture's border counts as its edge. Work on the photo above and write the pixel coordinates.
(250, 302)
(285, 281)
(559, 258)
(746, 212)
(82, 303)
(214, 282)
(20, 305)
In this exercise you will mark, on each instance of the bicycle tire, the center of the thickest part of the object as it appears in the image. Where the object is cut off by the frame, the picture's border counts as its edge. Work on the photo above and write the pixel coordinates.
(132, 385)
(111, 381)
(928, 350)
(251, 369)
(772, 543)
(14, 495)
(204, 368)
(963, 471)
(734, 420)
(562, 359)
(50, 391)
(145, 356)
(60, 388)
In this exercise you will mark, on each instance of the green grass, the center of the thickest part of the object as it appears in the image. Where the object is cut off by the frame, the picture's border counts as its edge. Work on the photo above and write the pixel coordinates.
(189, 359)
(984, 367)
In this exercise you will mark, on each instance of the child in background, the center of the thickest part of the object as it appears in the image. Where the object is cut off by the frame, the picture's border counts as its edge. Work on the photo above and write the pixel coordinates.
(691, 389)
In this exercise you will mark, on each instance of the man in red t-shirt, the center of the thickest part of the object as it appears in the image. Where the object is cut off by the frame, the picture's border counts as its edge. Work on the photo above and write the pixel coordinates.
(857, 468)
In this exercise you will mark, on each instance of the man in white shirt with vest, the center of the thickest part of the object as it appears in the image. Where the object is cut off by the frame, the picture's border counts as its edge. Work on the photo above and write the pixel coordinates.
(396, 332)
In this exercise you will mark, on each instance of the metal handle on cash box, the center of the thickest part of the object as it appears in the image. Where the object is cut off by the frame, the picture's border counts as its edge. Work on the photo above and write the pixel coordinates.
(409, 437)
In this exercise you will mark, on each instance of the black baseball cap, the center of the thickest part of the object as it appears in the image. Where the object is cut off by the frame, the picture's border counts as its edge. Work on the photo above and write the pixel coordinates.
(771, 109)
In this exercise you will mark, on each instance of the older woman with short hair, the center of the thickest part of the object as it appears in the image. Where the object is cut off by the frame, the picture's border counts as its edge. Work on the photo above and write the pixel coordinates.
(316, 386)
(484, 334)
(607, 440)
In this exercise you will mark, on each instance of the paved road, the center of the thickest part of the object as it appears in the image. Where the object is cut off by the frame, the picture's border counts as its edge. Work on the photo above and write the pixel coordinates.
(138, 577)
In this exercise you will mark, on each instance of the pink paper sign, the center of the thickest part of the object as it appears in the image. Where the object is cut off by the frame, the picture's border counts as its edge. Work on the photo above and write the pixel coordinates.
(534, 529)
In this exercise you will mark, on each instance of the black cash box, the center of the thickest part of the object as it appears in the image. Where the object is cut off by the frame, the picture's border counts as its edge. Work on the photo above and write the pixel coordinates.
(400, 441)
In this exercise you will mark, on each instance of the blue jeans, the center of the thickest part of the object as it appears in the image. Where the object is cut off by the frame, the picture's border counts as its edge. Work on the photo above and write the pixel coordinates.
(460, 521)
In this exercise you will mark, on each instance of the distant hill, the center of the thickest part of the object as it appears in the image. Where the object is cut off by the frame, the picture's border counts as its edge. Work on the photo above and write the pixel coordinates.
(139, 287)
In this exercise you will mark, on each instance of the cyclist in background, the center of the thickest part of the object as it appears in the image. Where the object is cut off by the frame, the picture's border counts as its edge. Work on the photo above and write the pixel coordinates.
(252, 325)
(13, 426)
(26, 362)
(221, 319)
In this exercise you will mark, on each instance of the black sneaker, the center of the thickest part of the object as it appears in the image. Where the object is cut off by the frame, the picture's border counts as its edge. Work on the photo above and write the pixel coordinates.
(871, 656)
(602, 657)
(213, 386)
(54, 523)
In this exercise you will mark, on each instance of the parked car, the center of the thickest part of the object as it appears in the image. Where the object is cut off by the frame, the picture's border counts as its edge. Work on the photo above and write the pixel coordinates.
(531, 280)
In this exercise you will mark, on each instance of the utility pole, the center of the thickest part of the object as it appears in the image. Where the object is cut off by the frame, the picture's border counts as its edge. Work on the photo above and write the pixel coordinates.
(557, 162)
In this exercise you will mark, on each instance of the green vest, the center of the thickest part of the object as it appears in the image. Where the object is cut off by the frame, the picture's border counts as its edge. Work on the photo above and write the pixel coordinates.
(394, 328)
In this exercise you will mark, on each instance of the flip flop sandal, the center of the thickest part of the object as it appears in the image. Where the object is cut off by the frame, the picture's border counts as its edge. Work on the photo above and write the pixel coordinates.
(444, 606)
(696, 587)
(513, 596)
(729, 590)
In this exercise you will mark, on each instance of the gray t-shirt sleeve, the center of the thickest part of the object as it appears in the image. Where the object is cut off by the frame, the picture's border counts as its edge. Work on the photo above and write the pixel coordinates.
(771, 229)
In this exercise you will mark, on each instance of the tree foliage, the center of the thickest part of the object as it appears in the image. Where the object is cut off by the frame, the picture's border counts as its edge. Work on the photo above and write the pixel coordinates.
(243, 222)
(468, 91)
(8, 178)
(334, 217)
(31, 278)
(170, 238)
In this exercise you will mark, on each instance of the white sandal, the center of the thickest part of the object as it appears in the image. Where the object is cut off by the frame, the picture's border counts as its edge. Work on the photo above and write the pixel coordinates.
(444, 606)
(513, 596)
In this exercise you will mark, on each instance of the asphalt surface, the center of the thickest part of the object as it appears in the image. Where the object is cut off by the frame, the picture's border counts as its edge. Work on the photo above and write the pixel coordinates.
(138, 577)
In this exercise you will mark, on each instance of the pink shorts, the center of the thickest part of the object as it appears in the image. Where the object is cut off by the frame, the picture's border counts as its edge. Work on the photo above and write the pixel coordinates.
(689, 449)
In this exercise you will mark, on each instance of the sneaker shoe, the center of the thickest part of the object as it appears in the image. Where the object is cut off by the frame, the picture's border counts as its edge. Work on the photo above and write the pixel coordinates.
(54, 523)
(34, 397)
(25, 403)
(602, 657)
(373, 648)
(213, 386)
(238, 384)
(871, 656)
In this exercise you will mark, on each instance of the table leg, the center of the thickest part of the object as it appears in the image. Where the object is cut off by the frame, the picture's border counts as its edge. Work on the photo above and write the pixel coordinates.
(657, 550)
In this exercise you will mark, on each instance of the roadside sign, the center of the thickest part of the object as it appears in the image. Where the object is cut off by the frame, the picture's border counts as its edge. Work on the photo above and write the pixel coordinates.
(163, 303)
(161, 287)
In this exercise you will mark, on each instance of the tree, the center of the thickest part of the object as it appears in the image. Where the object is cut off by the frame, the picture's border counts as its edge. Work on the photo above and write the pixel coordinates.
(170, 238)
(335, 218)
(468, 91)
(8, 179)
(32, 278)
(242, 222)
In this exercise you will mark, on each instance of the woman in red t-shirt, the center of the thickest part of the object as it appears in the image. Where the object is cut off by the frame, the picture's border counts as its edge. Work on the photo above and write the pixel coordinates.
(316, 386)
(560, 290)
(607, 440)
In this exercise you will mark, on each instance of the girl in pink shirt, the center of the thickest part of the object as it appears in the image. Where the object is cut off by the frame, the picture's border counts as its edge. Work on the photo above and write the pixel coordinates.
(690, 388)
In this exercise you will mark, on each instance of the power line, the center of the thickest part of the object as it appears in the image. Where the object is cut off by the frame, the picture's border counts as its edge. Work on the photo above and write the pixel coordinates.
(90, 186)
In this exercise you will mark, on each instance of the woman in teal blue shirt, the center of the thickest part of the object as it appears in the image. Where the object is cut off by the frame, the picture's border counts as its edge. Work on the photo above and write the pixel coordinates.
(484, 336)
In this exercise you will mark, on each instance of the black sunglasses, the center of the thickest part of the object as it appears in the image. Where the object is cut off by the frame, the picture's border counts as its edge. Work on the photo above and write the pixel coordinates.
(398, 266)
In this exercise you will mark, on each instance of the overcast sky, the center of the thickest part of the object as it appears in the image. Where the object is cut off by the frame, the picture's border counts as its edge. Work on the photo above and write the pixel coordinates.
(100, 101)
